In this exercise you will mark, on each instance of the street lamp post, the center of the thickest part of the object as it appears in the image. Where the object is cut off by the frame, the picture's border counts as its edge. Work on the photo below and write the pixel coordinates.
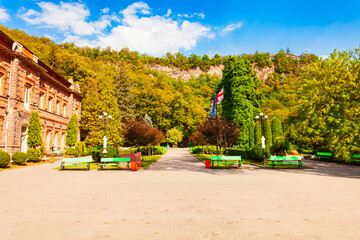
(106, 119)
(262, 119)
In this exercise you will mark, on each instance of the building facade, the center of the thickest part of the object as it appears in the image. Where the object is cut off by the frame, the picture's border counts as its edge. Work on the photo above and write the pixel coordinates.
(27, 85)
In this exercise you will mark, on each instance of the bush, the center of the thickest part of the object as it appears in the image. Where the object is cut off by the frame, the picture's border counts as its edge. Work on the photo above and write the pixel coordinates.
(80, 148)
(4, 159)
(97, 153)
(19, 158)
(112, 152)
(256, 153)
(158, 150)
(126, 151)
(71, 151)
(280, 146)
(33, 154)
(87, 152)
(197, 150)
(322, 149)
(237, 152)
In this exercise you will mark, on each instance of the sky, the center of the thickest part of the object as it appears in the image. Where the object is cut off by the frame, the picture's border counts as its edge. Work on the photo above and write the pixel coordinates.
(227, 27)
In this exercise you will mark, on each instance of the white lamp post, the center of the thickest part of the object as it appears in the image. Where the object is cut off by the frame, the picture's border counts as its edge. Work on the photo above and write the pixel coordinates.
(106, 119)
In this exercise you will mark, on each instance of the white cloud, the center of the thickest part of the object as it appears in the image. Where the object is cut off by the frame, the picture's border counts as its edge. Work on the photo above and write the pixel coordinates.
(198, 15)
(66, 17)
(105, 10)
(4, 16)
(135, 27)
(80, 41)
(153, 34)
(168, 13)
(231, 27)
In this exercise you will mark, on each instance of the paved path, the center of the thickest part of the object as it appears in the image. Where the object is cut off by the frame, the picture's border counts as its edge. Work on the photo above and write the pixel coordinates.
(178, 160)
(179, 199)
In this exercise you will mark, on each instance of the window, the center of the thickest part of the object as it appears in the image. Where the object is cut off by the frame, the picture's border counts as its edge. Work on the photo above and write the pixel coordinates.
(50, 104)
(27, 97)
(28, 73)
(64, 110)
(42, 84)
(41, 101)
(77, 112)
(58, 107)
(1, 79)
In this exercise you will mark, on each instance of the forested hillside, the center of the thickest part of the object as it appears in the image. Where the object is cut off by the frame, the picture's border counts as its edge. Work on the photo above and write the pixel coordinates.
(294, 90)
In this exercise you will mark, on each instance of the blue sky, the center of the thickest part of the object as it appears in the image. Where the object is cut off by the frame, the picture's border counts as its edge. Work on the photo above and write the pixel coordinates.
(226, 27)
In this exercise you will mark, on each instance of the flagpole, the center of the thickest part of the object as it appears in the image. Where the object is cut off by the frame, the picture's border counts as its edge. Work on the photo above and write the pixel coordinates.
(217, 129)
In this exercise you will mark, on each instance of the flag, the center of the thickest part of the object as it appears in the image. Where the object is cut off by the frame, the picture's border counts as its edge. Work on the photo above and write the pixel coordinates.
(220, 96)
(213, 107)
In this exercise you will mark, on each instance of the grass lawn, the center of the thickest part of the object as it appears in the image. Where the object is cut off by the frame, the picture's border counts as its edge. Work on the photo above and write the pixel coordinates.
(204, 157)
(20, 166)
(148, 160)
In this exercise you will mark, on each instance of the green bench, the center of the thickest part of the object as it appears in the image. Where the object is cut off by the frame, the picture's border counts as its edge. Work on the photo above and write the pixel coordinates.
(57, 153)
(117, 162)
(75, 162)
(292, 160)
(355, 158)
(323, 155)
(226, 160)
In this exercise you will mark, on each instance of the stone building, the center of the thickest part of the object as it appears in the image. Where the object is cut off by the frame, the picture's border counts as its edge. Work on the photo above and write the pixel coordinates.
(27, 85)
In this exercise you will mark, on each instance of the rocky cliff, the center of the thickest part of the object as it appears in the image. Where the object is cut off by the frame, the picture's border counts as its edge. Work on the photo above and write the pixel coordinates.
(263, 74)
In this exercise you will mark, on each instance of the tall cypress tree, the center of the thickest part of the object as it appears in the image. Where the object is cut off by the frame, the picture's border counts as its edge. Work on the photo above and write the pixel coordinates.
(276, 128)
(267, 133)
(251, 130)
(91, 129)
(34, 131)
(72, 131)
(241, 99)
(123, 91)
(109, 104)
(257, 133)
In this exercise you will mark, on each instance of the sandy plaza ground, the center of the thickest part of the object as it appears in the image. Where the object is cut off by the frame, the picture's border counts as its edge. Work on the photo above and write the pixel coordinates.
(177, 198)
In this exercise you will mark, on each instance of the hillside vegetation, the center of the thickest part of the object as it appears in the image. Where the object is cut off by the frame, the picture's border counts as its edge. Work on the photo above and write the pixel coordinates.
(316, 100)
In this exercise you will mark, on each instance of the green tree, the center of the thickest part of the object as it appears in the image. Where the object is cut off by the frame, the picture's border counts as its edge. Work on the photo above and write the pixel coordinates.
(251, 131)
(34, 131)
(174, 136)
(276, 129)
(241, 99)
(124, 93)
(91, 129)
(72, 131)
(110, 105)
(330, 111)
(268, 133)
(257, 133)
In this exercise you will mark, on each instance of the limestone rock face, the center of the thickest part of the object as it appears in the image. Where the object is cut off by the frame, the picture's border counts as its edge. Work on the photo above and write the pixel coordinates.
(186, 75)
(263, 74)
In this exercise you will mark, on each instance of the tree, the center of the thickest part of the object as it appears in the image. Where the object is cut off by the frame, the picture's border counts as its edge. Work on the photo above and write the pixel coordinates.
(251, 130)
(257, 133)
(91, 130)
(110, 105)
(138, 133)
(124, 93)
(276, 129)
(34, 131)
(330, 111)
(241, 99)
(267, 133)
(174, 136)
(72, 131)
